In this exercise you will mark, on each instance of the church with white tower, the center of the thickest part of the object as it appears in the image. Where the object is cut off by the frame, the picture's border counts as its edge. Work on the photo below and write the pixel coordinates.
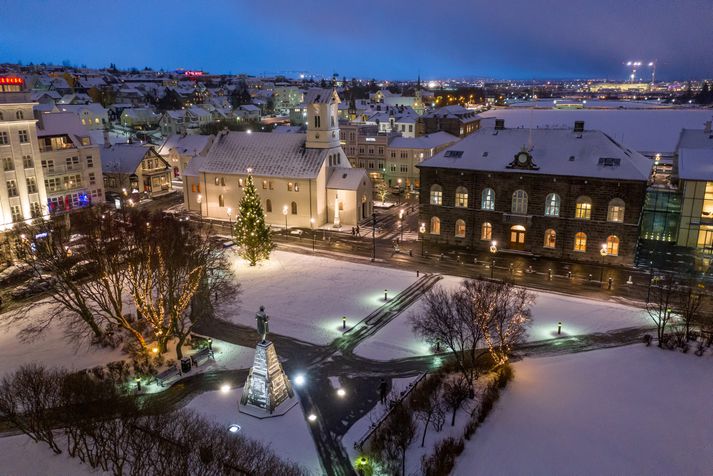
(303, 179)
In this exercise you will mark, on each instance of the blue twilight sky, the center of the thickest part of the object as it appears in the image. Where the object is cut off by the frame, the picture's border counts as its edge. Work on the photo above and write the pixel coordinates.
(365, 38)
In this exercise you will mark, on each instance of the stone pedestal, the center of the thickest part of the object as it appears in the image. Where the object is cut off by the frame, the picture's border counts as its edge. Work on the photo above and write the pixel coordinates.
(267, 389)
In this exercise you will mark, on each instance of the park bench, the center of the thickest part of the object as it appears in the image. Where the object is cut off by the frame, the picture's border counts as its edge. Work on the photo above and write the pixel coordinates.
(168, 375)
(202, 355)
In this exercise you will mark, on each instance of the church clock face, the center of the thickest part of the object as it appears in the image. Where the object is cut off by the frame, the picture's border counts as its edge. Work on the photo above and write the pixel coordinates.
(522, 158)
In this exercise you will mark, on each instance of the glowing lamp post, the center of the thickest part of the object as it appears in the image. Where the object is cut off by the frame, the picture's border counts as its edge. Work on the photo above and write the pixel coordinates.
(421, 232)
(199, 199)
(603, 251)
(493, 250)
(229, 211)
(311, 226)
(401, 222)
(284, 212)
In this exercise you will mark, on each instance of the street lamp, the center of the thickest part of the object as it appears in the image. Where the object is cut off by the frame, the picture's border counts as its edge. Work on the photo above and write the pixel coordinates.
(493, 250)
(401, 223)
(199, 199)
(603, 251)
(373, 237)
(229, 211)
(311, 225)
(421, 231)
(284, 212)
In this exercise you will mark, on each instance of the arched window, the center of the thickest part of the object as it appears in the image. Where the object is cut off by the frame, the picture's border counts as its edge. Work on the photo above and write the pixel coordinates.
(519, 202)
(613, 245)
(488, 199)
(550, 238)
(552, 205)
(221, 200)
(435, 226)
(268, 205)
(460, 229)
(486, 231)
(580, 242)
(294, 208)
(19, 115)
(462, 197)
(615, 212)
(436, 195)
(583, 211)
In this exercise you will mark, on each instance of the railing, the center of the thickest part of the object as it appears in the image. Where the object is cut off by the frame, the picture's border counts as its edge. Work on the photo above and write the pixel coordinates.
(61, 169)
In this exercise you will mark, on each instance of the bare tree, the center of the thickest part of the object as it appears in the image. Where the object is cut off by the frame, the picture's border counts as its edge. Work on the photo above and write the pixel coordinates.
(28, 399)
(659, 305)
(425, 401)
(506, 314)
(689, 304)
(455, 393)
(449, 319)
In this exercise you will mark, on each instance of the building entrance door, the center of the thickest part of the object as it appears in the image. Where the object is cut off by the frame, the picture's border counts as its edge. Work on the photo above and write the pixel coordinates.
(517, 237)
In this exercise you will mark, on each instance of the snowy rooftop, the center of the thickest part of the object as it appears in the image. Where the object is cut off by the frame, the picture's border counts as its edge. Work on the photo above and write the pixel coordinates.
(428, 141)
(122, 158)
(695, 139)
(185, 144)
(268, 154)
(695, 164)
(320, 96)
(554, 151)
(344, 178)
(61, 123)
(644, 130)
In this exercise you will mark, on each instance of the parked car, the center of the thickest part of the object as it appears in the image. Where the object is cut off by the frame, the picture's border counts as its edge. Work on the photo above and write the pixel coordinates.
(83, 269)
(34, 286)
(14, 273)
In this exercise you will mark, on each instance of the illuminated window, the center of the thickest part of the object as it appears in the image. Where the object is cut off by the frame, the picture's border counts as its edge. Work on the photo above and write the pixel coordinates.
(297, 187)
(552, 205)
(705, 238)
(707, 210)
(583, 210)
(519, 202)
(486, 231)
(488, 199)
(550, 238)
(461, 197)
(436, 195)
(435, 226)
(613, 245)
(580, 242)
(240, 183)
(289, 186)
(615, 212)
(460, 229)
(264, 184)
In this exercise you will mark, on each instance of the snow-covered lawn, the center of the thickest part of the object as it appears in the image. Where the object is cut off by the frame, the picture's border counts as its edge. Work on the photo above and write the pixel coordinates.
(20, 456)
(306, 296)
(51, 349)
(579, 316)
(288, 435)
(629, 410)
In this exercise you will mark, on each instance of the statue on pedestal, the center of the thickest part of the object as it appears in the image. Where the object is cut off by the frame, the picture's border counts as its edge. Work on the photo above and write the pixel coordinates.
(267, 390)
(262, 326)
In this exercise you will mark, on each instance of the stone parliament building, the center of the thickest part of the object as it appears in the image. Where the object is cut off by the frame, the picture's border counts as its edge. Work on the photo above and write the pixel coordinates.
(572, 193)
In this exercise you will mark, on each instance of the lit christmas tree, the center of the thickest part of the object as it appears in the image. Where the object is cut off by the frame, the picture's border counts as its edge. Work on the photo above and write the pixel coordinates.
(251, 233)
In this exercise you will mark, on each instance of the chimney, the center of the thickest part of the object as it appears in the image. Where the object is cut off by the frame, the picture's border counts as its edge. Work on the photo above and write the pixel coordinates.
(499, 124)
(578, 126)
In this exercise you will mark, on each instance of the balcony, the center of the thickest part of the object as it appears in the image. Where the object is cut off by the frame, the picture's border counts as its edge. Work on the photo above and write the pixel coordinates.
(61, 169)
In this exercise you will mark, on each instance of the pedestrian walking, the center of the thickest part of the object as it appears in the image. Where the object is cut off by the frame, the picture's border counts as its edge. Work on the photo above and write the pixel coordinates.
(383, 391)
(357, 231)
(353, 231)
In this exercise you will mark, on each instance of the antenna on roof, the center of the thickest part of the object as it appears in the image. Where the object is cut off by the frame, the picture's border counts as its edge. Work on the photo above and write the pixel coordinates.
(529, 134)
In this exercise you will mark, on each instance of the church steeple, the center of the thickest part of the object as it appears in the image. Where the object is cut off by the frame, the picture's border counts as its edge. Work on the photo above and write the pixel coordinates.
(322, 118)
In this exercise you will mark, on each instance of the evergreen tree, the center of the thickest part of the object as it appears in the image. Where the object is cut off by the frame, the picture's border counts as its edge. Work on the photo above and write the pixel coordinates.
(251, 233)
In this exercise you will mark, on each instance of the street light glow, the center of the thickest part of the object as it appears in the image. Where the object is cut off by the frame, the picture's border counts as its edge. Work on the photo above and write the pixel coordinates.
(299, 380)
(312, 417)
(341, 392)
(234, 428)
(225, 388)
